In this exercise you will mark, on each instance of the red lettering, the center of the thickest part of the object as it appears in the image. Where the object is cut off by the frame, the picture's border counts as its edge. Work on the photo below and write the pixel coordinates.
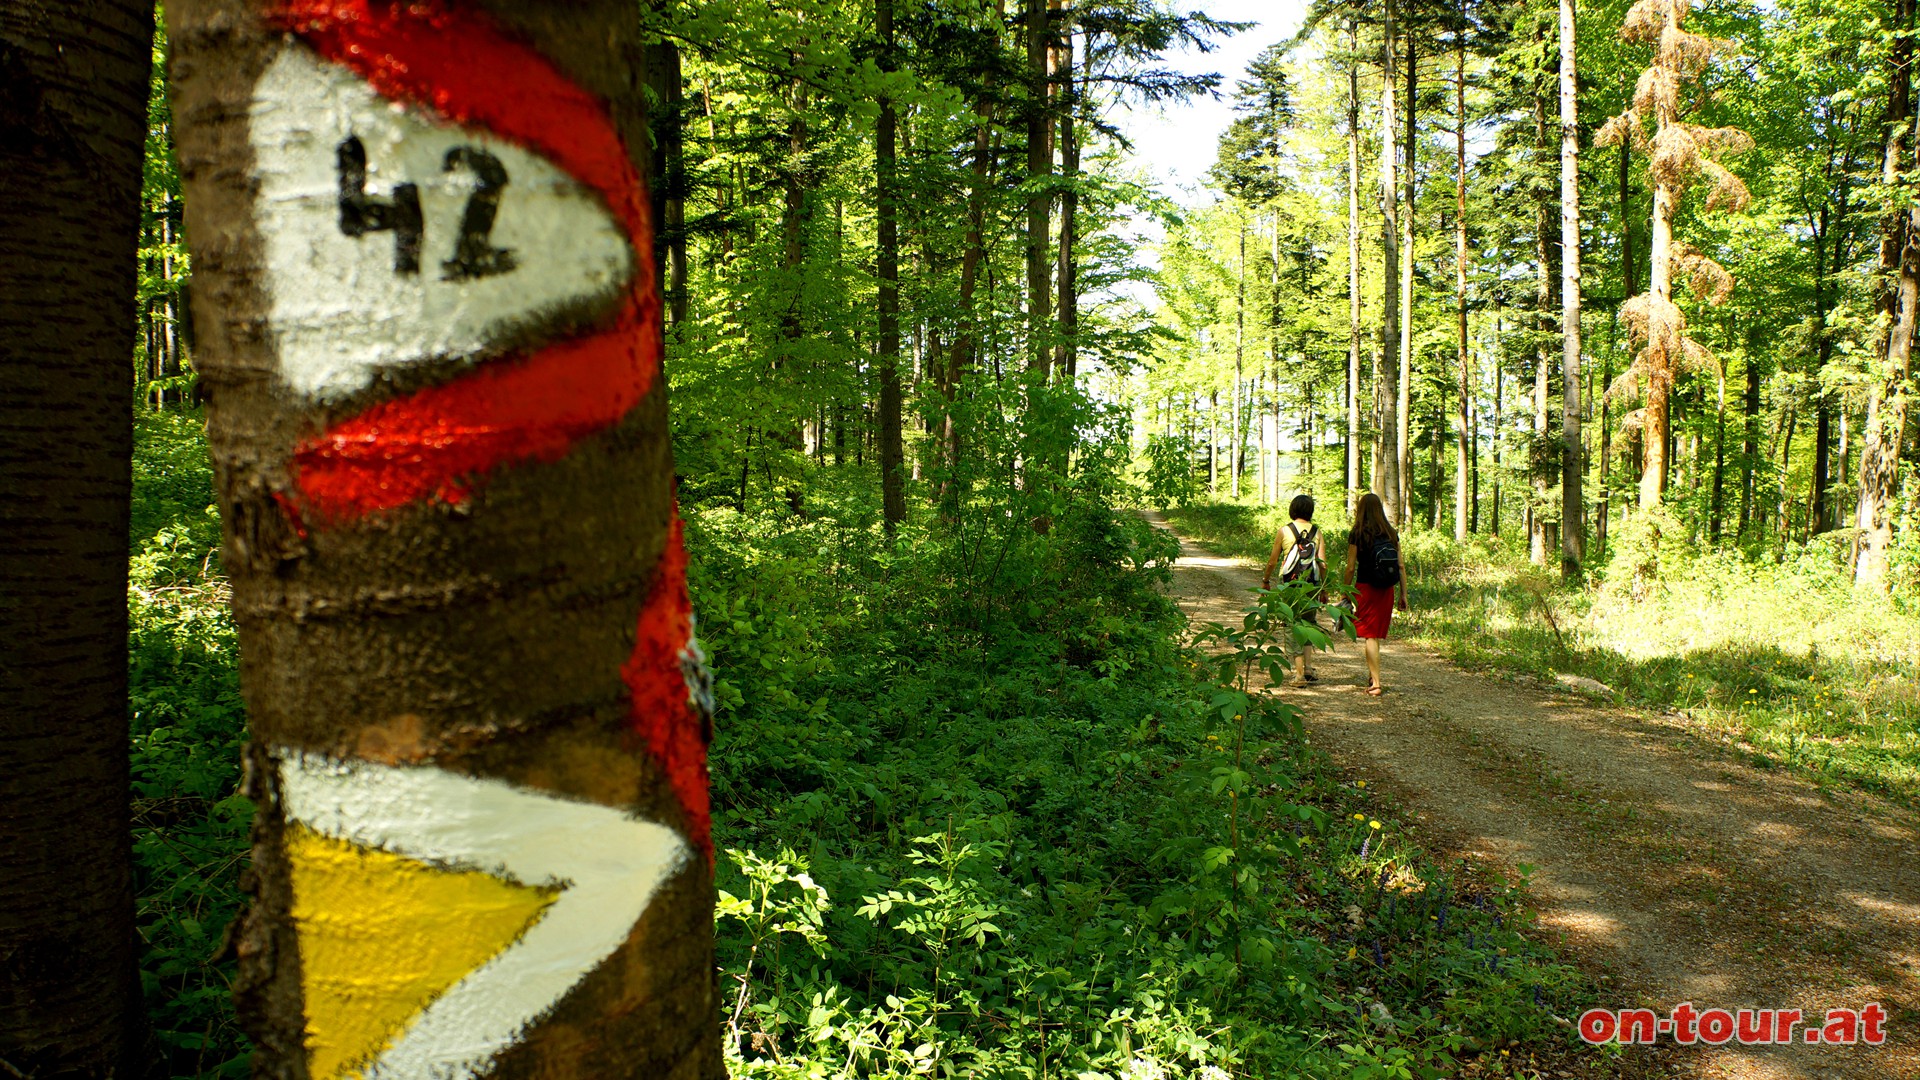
(1843, 1026)
(1784, 1021)
(1638, 1026)
(1755, 1025)
(1871, 1018)
(1716, 1026)
(1597, 1026)
(1683, 1021)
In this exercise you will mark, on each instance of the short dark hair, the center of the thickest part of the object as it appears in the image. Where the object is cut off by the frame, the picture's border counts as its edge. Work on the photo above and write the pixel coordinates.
(1301, 507)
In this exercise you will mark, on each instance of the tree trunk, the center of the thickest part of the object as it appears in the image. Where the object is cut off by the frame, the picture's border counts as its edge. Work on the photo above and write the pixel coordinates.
(1387, 483)
(1403, 432)
(1353, 273)
(1239, 355)
(479, 718)
(1499, 385)
(1066, 358)
(71, 135)
(1544, 282)
(887, 269)
(1039, 198)
(1885, 430)
(1656, 425)
(669, 167)
(1573, 516)
(1462, 420)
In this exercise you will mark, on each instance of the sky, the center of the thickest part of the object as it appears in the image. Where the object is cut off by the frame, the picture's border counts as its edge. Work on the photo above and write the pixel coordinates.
(1176, 142)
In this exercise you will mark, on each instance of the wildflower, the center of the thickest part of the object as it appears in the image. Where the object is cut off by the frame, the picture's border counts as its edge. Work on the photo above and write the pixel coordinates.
(1373, 824)
(1359, 817)
(1753, 691)
(1361, 783)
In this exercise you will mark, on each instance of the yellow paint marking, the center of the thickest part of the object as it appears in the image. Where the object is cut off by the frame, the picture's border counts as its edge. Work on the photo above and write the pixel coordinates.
(382, 936)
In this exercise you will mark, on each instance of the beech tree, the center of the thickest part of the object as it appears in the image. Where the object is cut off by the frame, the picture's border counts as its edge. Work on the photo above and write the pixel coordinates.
(430, 335)
(73, 84)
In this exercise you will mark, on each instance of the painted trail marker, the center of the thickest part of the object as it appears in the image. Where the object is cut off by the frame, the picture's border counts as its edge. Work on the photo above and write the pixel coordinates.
(440, 915)
(394, 237)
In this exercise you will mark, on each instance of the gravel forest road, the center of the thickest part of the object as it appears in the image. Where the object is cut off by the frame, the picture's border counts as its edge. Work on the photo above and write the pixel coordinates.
(1678, 874)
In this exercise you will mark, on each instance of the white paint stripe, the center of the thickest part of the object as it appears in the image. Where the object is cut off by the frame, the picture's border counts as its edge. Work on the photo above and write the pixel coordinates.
(339, 312)
(607, 863)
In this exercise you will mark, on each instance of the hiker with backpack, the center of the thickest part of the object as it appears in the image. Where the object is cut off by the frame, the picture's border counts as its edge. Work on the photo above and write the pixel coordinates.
(1300, 555)
(1373, 561)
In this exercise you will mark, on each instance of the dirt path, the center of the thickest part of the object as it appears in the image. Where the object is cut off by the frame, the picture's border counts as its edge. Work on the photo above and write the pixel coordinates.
(1685, 876)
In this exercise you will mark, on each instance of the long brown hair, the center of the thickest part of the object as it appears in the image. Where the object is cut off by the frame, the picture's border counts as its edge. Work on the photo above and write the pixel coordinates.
(1370, 522)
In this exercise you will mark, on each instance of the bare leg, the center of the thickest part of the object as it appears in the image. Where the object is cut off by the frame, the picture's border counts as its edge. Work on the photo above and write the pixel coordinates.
(1371, 646)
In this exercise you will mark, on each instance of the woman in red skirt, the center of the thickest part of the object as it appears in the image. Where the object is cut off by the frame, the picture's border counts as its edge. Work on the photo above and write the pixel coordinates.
(1373, 560)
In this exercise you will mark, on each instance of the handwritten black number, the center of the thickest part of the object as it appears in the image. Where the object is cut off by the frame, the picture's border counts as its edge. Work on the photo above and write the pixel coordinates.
(361, 213)
(474, 254)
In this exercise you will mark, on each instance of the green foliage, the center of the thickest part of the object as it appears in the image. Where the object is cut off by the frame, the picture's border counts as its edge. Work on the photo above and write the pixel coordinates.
(1020, 830)
(187, 724)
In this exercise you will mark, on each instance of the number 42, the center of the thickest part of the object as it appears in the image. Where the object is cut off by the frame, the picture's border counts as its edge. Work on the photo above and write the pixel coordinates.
(474, 255)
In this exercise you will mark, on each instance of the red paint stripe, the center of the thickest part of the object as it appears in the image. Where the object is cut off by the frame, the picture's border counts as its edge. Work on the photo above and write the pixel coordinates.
(437, 441)
(661, 710)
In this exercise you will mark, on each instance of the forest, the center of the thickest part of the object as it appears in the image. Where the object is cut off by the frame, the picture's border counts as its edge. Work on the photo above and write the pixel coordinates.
(1612, 305)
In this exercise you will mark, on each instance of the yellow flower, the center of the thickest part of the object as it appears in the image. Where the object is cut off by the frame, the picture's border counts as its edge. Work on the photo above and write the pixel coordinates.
(1373, 824)
(1361, 783)
(1359, 817)
(1353, 951)
(1753, 691)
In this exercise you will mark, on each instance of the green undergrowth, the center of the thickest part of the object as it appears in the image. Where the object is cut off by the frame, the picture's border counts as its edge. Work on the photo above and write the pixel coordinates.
(984, 812)
(1781, 661)
(984, 809)
(187, 725)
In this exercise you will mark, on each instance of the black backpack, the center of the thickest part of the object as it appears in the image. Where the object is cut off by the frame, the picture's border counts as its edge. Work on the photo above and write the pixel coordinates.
(1385, 561)
(1303, 559)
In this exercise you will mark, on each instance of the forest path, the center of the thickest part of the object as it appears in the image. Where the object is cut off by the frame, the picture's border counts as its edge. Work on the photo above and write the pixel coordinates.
(1680, 874)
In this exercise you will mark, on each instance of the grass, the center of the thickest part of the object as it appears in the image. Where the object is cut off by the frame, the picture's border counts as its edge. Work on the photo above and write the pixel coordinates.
(1784, 663)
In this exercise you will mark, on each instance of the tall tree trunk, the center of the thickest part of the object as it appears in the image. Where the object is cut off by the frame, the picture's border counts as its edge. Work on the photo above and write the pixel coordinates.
(1213, 442)
(1885, 430)
(1822, 405)
(1403, 432)
(1066, 358)
(1039, 198)
(669, 167)
(1657, 422)
(1353, 270)
(478, 715)
(1462, 420)
(71, 134)
(1573, 515)
(1387, 482)
(893, 497)
(1239, 353)
(1544, 284)
(1499, 386)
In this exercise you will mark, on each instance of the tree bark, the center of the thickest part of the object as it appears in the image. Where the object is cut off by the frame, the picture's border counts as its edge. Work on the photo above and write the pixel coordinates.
(478, 714)
(1656, 421)
(1403, 431)
(1462, 420)
(1066, 359)
(1239, 355)
(669, 166)
(1039, 198)
(1353, 271)
(1387, 482)
(1573, 517)
(75, 81)
(1885, 431)
(887, 269)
